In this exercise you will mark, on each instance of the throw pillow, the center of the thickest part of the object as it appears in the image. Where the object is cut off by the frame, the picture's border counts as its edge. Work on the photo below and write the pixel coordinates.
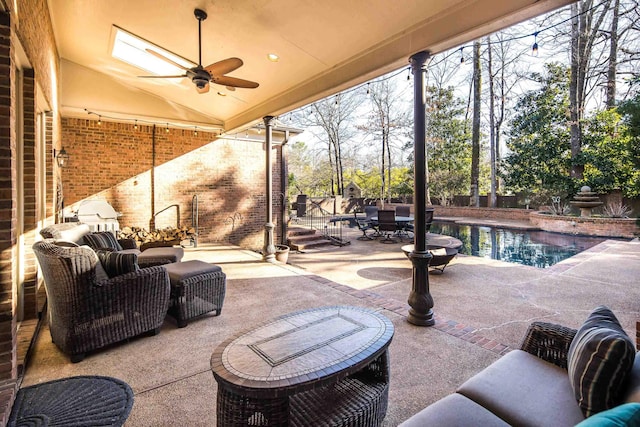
(115, 263)
(620, 416)
(102, 240)
(599, 360)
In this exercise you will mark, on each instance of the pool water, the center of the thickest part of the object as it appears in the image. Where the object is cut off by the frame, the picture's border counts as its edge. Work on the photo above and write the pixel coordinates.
(535, 248)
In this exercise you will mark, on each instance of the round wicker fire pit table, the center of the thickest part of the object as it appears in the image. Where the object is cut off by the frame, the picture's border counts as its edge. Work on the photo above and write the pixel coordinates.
(322, 366)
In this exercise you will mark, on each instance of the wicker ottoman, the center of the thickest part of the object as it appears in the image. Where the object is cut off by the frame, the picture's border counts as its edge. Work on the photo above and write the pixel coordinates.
(197, 288)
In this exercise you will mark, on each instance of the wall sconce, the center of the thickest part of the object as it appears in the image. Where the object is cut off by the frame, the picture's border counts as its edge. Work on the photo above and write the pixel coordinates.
(62, 158)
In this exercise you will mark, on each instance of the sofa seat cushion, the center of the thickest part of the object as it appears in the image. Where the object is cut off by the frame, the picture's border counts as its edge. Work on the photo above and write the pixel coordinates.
(526, 391)
(453, 411)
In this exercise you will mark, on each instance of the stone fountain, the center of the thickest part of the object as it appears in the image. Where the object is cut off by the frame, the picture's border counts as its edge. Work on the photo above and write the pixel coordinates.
(586, 200)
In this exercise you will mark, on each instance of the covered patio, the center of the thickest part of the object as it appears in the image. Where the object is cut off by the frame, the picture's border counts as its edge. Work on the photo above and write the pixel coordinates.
(144, 145)
(483, 308)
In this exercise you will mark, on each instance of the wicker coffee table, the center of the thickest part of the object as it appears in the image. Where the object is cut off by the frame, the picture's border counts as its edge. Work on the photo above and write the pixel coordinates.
(323, 366)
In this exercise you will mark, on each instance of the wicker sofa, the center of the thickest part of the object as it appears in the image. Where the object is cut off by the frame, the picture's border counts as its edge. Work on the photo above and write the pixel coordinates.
(526, 387)
(88, 310)
(76, 233)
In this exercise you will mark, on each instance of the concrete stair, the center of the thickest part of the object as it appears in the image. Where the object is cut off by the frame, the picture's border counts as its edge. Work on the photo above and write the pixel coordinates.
(301, 238)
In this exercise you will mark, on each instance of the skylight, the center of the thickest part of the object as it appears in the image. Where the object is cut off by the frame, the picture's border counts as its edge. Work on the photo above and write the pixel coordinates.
(132, 50)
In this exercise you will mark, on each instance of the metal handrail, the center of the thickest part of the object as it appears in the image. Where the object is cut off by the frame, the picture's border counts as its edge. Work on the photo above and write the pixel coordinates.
(194, 219)
(168, 207)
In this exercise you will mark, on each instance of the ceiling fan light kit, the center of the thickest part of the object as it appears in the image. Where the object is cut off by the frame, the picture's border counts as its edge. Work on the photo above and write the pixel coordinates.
(213, 73)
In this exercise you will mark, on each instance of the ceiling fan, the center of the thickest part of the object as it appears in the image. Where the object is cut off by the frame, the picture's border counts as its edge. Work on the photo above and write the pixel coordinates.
(214, 73)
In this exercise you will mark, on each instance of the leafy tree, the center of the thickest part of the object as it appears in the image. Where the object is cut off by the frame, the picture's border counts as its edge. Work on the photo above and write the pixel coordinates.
(608, 155)
(630, 111)
(539, 142)
(308, 174)
(448, 144)
(401, 182)
(541, 153)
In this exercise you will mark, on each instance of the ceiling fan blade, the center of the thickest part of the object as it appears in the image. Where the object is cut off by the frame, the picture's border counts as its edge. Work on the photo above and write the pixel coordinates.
(204, 89)
(163, 77)
(223, 67)
(164, 58)
(234, 82)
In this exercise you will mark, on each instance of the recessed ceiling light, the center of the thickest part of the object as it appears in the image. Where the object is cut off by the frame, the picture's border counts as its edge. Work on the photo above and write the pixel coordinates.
(273, 57)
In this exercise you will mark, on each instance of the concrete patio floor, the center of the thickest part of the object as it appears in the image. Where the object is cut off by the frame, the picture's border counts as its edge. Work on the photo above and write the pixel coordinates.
(482, 307)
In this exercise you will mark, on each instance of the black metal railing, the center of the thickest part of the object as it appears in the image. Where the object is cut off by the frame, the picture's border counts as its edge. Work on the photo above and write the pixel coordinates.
(317, 218)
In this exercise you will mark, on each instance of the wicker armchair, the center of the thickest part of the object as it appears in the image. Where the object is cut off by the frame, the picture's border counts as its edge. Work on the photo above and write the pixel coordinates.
(86, 312)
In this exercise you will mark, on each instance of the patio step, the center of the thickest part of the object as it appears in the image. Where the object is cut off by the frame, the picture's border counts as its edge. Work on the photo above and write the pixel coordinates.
(300, 238)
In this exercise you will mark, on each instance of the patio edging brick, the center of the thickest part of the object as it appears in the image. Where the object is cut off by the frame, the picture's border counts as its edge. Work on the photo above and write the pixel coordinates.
(451, 327)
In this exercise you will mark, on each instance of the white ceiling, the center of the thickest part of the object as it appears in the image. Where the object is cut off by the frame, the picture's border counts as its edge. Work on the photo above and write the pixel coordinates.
(324, 46)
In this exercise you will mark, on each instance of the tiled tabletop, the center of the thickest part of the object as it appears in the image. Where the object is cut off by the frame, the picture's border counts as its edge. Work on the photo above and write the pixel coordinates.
(300, 350)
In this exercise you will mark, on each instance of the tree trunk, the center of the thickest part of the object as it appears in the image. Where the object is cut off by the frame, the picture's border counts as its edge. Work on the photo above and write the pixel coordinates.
(475, 136)
(333, 183)
(492, 127)
(339, 170)
(574, 96)
(613, 57)
(386, 141)
(382, 172)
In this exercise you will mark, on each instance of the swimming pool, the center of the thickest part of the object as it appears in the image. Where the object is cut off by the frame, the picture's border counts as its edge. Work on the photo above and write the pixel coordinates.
(535, 248)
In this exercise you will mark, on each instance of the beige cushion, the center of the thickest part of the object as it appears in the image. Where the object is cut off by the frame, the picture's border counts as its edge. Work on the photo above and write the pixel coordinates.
(452, 411)
(67, 231)
(524, 390)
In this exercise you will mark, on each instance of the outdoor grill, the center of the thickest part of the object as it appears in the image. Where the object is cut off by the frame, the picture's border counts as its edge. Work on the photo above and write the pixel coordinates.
(99, 215)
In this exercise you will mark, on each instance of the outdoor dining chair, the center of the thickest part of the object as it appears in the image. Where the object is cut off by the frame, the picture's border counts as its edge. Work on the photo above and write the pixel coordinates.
(366, 227)
(428, 220)
(405, 227)
(402, 210)
(370, 212)
(387, 225)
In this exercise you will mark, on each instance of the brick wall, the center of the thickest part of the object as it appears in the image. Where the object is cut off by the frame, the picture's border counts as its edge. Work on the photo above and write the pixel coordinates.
(588, 226)
(489, 213)
(473, 212)
(8, 193)
(33, 29)
(113, 160)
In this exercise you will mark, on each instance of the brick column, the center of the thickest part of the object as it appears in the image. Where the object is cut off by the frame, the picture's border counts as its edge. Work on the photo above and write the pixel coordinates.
(30, 219)
(8, 195)
(49, 162)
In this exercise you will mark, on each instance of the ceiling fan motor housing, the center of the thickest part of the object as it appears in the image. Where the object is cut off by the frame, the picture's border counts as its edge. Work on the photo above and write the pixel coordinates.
(200, 82)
